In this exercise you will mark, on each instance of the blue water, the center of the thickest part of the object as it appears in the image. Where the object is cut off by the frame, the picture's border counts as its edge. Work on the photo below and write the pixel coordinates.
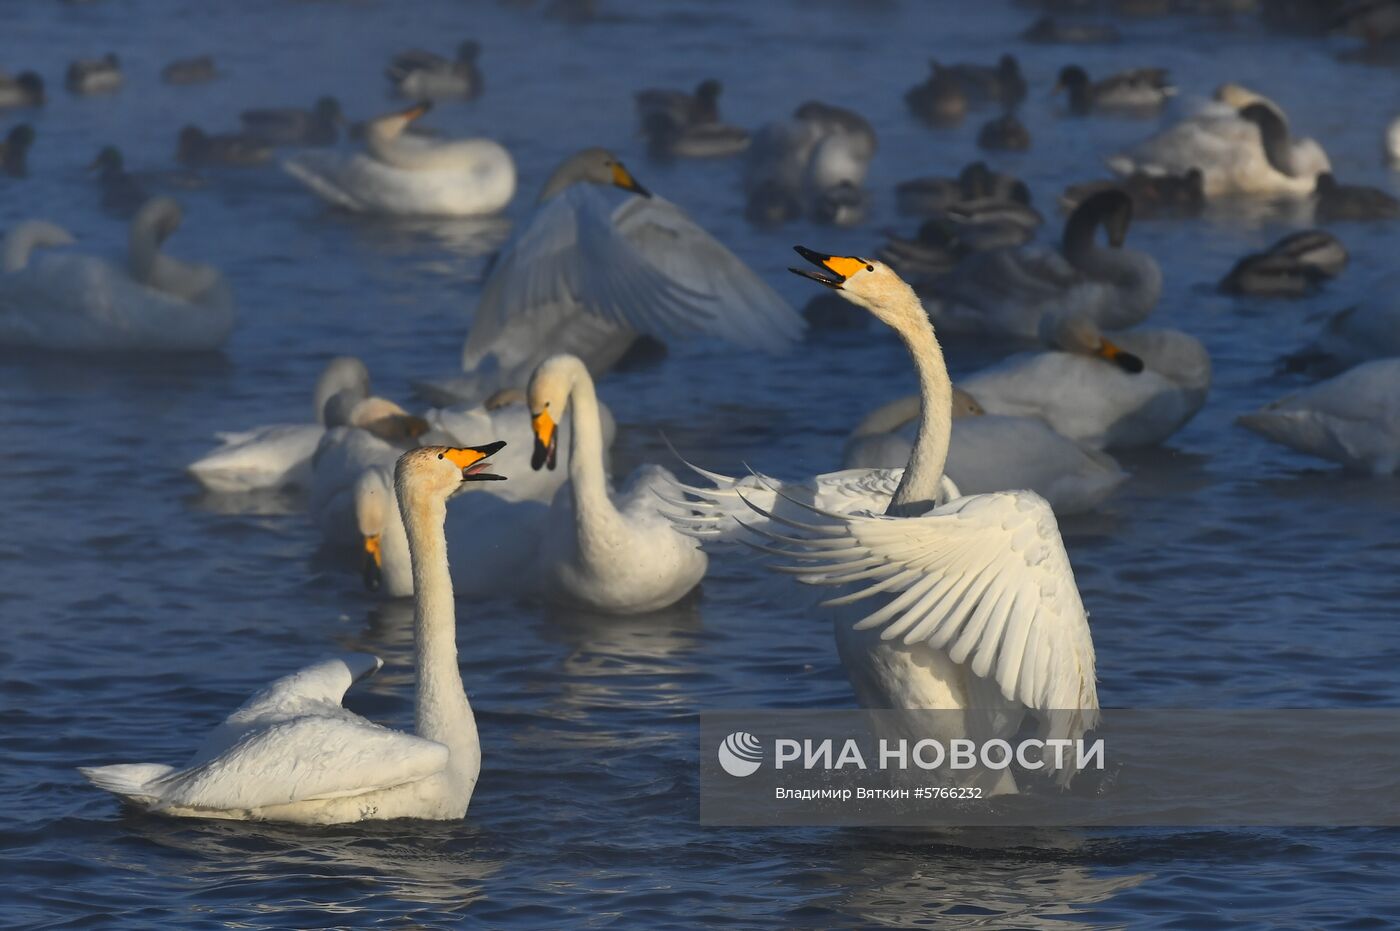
(137, 613)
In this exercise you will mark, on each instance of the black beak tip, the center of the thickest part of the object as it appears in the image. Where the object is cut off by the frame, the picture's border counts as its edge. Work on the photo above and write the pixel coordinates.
(490, 449)
(1129, 363)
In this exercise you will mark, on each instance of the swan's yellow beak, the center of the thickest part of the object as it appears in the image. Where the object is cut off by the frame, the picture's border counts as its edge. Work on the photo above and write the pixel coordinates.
(1120, 357)
(372, 569)
(472, 460)
(546, 441)
(417, 110)
(841, 267)
(623, 179)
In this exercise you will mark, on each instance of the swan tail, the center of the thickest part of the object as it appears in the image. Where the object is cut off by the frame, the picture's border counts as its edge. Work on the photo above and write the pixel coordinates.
(129, 780)
(316, 171)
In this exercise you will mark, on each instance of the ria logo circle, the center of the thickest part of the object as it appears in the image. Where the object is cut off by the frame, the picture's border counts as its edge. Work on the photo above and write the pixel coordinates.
(741, 754)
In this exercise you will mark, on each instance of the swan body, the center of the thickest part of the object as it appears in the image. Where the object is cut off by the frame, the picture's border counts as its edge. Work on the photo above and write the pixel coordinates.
(602, 550)
(293, 753)
(585, 277)
(408, 174)
(1008, 292)
(984, 617)
(1087, 397)
(80, 303)
(279, 455)
(1353, 418)
(794, 164)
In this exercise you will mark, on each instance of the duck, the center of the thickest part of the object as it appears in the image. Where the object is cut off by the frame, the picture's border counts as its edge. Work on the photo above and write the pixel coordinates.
(1051, 31)
(678, 108)
(1139, 90)
(293, 126)
(668, 139)
(122, 194)
(279, 456)
(1006, 292)
(196, 147)
(152, 302)
(1369, 329)
(186, 71)
(95, 75)
(1333, 201)
(1006, 133)
(932, 195)
(1001, 83)
(420, 75)
(402, 173)
(940, 100)
(978, 609)
(1291, 267)
(25, 89)
(14, 151)
(1134, 389)
(1352, 418)
(293, 753)
(1238, 151)
(585, 276)
(988, 452)
(1152, 195)
(601, 550)
(823, 152)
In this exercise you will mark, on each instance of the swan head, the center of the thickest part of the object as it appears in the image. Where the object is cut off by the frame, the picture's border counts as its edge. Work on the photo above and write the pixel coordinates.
(965, 405)
(374, 495)
(383, 418)
(867, 283)
(443, 471)
(342, 374)
(1237, 96)
(547, 397)
(592, 166)
(1079, 334)
(1111, 208)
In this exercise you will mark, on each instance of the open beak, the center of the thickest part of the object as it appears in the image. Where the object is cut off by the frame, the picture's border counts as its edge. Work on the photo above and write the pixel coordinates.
(1121, 358)
(546, 441)
(371, 571)
(623, 179)
(840, 267)
(472, 461)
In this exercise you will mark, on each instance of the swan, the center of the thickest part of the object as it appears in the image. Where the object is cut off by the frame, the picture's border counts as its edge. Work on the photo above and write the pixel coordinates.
(421, 75)
(184, 71)
(14, 151)
(293, 753)
(293, 126)
(1008, 291)
(989, 452)
(279, 455)
(23, 90)
(985, 616)
(1364, 331)
(1305, 155)
(1134, 390)
(1141, 89)
(585, 277)
(602, 550)
(82, 303)
(1238, 151)
(794, 164)
(1291, 267)
(1353, 418)
(95, 75)
(407, 174)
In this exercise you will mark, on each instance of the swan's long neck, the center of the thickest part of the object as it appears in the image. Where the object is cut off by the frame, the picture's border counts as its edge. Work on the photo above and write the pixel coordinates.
(923, 478)
(588, 482)
(442, 712)
(25, 238)
(143, 252)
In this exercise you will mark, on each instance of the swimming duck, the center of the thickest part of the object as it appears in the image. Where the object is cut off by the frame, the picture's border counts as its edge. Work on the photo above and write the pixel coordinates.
(1333, 201)
(1005, 132)
(1291, 267)
(1141, 89)
(196, 147)
(24, 90)
(1367, 330)
(293, 126)
(1152, 195)
(14, 151)
(1001, 83)
(976, 182)
(420, 75)
(122, 194)
(183, 71)
(940, 100)
(679, 108)
(668, 139)
(95, 75)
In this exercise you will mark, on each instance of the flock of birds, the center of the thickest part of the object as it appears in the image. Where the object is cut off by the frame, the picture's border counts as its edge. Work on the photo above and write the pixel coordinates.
(947, 500)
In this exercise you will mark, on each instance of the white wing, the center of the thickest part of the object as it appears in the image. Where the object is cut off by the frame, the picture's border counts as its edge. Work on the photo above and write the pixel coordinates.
(260, 458)
(363, 184)
(984, 578)
(748, 312)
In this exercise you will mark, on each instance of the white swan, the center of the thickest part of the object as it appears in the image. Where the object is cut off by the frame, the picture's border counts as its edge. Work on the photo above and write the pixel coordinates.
(1241, 147)
(605, 551)
(990, 452)
(1135, 390)
(1353, 418)
(82, 303)
(1364, 331)
(805, 164)
(279, 455)
(1007, 292)
(985, 616)
(292, 753)
(404, 173)
(585, 277)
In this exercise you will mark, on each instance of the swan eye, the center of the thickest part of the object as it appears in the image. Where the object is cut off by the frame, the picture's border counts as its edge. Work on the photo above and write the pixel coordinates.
(870, 268)
(440, 455)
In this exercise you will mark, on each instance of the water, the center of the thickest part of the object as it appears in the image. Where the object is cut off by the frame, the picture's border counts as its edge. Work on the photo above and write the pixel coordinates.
(1227, 572)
